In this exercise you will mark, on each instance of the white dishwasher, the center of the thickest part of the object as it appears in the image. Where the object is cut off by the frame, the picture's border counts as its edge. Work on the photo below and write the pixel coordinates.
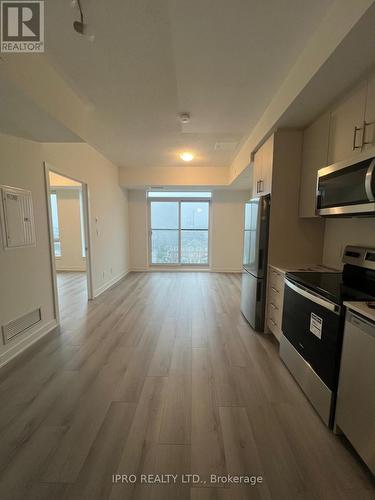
(355, 411)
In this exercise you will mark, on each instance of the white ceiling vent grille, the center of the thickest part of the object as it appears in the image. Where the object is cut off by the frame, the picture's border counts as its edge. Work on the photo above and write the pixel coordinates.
(225, 146)
(19, 325)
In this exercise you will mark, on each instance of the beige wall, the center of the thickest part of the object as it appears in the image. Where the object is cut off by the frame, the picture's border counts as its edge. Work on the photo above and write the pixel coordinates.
(342, 232)
(138, 230)
(69, 213)
(183, 175)
(26, 280)
(108, 207)
(226, 226)
(227, 218)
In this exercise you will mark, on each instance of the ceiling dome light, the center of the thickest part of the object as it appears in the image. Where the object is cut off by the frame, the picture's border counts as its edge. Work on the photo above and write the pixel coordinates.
(186, 156)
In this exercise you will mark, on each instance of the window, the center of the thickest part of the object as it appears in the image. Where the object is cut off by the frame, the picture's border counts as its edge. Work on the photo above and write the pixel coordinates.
(165, 232)
(55, 225)
(179, 232)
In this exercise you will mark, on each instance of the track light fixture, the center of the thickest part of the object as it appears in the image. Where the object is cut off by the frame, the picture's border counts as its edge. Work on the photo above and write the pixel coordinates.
(79, 26)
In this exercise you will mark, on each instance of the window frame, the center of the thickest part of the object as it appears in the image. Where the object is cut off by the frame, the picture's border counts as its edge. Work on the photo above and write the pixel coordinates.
(179, 200)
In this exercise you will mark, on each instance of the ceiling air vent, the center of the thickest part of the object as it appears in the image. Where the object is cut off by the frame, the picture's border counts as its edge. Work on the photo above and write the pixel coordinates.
(19, 325)
(225, 146)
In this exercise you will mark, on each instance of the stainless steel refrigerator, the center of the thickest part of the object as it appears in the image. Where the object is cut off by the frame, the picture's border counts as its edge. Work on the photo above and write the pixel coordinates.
(255, 254)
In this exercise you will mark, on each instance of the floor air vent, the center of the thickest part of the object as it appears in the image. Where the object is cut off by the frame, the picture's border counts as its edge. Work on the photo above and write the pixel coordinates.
(19, 325)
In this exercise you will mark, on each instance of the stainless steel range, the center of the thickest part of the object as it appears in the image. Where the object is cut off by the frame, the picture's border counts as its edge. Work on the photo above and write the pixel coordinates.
(313, 322)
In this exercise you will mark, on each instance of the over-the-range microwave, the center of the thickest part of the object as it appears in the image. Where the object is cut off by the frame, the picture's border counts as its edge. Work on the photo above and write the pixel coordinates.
(347, 188)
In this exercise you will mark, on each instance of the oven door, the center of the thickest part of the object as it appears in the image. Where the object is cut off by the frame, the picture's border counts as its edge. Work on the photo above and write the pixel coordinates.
(346, 188)
(312, 325)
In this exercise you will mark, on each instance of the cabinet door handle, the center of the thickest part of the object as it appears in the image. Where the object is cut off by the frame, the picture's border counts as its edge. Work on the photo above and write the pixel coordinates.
(357, 129)
(261, 186)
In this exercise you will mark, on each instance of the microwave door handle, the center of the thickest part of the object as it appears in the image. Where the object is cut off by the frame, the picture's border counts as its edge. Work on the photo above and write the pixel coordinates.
(368, 181)
(314, 298)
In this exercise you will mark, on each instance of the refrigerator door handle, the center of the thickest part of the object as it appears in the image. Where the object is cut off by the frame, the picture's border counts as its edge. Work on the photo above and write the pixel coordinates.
(259, 291)
(260, 259)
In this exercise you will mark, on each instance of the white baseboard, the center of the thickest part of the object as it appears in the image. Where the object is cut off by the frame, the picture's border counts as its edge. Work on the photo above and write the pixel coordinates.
(226, 270)
(24, 343)
(109, 284)
(156, 269)
(71, 269)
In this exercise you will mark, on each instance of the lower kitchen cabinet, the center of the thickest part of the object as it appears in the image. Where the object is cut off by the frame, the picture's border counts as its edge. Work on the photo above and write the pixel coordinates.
(276, 279)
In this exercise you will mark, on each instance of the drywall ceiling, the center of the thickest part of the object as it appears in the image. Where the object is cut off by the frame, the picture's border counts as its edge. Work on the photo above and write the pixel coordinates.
(219, 60)
(21, 117)
(352, 60)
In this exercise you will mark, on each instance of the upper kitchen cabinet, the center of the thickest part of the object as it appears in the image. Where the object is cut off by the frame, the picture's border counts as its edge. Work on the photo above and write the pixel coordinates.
(314, 157)
(262, 170)
(369, 125)
(257, 172)
(346, 127)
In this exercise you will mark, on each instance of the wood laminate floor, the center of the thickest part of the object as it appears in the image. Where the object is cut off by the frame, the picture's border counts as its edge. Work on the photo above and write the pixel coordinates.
(162, 375)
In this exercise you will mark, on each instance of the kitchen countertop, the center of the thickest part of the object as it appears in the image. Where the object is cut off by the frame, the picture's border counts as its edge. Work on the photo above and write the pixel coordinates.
(361, 308)
(317, 268)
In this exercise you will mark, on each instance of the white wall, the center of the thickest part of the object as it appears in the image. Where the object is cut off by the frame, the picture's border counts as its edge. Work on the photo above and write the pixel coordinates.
(70, 228)
(226, 226)
(25, 274)
(342, 232)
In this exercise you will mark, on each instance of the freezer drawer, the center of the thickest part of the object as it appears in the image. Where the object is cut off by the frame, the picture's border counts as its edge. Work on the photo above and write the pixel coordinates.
(253, 300)
(355, 411)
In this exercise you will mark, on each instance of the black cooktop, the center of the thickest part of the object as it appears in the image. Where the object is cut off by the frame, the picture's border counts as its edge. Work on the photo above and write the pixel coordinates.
(329, 285)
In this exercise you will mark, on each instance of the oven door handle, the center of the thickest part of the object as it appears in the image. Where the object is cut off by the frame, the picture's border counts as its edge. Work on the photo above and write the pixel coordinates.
(301, 290)
(368, 181)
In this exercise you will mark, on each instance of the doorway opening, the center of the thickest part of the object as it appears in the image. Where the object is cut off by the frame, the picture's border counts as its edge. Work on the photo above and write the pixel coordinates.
(69, 241)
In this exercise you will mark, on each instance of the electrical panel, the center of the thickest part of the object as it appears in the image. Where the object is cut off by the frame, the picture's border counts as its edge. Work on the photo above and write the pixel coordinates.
(17, 217)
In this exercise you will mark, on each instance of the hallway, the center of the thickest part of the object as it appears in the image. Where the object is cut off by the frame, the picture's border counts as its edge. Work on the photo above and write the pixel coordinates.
(161, 374)
(72, 293)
